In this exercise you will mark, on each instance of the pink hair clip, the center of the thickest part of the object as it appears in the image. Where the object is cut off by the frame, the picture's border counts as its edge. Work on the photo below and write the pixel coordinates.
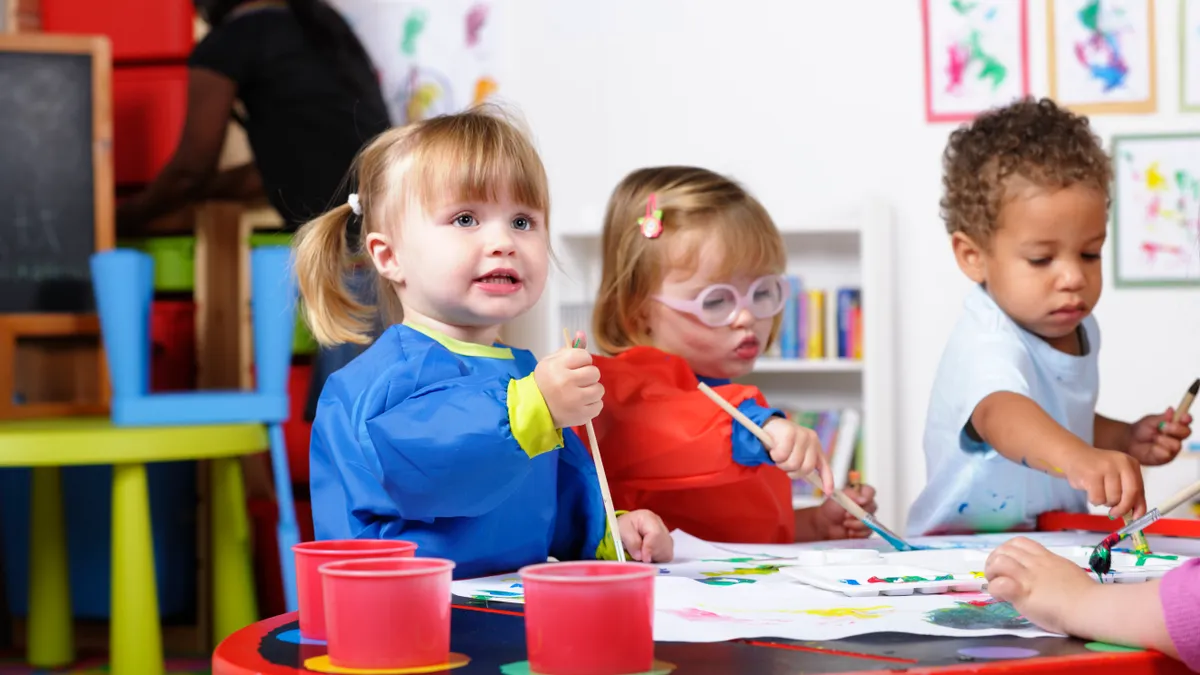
(651, 223)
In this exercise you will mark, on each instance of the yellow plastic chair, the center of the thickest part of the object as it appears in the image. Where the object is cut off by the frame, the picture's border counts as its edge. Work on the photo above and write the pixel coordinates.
(135, 641)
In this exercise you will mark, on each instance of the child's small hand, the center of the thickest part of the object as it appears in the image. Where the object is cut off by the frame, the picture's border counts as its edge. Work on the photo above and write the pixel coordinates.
(837, 523)
(1110, 478)
(645, 536)
(1040, 585)
(571, 386)
(1156, 439)
(797, 450)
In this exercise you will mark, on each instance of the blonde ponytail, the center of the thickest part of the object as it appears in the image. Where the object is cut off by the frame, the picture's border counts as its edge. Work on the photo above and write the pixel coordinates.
(323, 263)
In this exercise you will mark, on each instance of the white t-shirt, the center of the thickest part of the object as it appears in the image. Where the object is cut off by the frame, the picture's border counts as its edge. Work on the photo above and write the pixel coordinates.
(969, 486)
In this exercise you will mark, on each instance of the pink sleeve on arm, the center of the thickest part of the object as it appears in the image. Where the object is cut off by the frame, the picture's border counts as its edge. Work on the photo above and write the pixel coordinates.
(1180, 595)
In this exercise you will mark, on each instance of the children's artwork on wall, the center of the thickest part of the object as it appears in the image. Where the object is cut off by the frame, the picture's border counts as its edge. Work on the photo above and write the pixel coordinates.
(434, 56)
(976, 56)
(712, 594)
(1101, 55)
(1189, 55)
(1156, 206)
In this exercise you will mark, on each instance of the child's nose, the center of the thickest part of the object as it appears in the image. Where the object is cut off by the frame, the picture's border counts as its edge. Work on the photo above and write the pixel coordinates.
(1071, 278)
(501, 242)
(743, 319)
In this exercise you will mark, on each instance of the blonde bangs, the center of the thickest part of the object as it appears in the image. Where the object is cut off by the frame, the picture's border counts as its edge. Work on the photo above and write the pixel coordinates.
(750, 244)
(476, 158)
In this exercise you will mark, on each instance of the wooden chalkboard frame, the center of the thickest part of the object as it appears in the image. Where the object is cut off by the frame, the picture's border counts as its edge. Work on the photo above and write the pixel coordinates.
(14, 327)
(8, 12)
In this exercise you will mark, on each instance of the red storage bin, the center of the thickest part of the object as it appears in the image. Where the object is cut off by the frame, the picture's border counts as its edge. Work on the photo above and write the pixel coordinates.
(172, 345)
(140, 30)
(149, 107)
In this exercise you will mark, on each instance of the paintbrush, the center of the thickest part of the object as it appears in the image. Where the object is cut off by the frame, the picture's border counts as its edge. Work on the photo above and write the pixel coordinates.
(813, 479)
(1101, 559)
(1185, 404)
(610, 514)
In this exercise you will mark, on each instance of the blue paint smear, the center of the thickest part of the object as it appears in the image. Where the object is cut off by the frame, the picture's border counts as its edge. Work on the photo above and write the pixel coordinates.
(849, 582)
(962, 507)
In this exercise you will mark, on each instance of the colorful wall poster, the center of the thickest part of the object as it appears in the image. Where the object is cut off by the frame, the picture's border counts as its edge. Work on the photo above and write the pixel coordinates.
(1101, 55)
(976, 56)
(434, 56)
(1156, 206)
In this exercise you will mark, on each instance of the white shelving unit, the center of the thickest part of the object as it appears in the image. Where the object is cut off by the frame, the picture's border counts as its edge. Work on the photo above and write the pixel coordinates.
(850, 249)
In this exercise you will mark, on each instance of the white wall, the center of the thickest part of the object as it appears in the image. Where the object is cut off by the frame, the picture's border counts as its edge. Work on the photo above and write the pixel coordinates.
(813, 104)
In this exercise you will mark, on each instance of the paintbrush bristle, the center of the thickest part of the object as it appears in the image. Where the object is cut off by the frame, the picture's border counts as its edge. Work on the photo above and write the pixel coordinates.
(1101, 559)
(1195, 388)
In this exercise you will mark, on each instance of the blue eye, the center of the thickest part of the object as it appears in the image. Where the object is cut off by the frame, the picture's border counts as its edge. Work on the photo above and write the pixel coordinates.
(464, 220)
(522, 223)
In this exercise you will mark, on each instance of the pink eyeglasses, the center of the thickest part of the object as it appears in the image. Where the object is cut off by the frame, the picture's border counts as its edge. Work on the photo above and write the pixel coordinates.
(719, 304)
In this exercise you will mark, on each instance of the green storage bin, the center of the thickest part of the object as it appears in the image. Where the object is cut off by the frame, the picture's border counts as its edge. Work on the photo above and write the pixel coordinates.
(174, 261)
(303, 341)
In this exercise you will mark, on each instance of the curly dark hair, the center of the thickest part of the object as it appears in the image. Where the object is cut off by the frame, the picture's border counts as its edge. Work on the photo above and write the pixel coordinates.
(1037, 141)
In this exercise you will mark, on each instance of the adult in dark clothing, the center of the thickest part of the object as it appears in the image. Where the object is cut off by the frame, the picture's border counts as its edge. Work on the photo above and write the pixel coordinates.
(311, 99)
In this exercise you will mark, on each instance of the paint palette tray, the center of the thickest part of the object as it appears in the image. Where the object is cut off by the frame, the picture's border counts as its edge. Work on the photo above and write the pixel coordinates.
(865, 573)
(885, 579)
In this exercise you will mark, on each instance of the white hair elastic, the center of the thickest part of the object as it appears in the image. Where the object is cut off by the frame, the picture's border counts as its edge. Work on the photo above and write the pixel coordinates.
(355, 205)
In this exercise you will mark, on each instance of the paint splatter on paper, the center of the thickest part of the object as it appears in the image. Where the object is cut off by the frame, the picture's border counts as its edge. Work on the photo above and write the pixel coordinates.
(1102, 54)
(978, 615)
(976, 56)
(1156, 209)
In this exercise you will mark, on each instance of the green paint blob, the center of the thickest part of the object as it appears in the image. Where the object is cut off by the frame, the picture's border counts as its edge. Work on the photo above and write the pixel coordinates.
(1105, 647)
(978, 616)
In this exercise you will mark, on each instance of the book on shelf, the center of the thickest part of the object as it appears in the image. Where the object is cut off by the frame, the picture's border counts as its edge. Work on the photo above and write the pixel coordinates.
(840, 433)
(804, 331)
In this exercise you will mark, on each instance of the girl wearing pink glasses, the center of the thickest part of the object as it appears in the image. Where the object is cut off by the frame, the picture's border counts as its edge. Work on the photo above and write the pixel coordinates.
(691, 291)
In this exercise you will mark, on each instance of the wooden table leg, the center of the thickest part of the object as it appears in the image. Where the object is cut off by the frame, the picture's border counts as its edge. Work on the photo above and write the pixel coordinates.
(51, 641)
(234, 606)
(135, 641)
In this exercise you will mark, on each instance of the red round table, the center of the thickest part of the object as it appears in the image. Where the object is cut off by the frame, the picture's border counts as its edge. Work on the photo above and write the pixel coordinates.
(493, 637)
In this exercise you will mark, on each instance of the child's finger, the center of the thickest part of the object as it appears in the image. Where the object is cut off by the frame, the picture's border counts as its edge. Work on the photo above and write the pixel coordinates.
(1129, 497)
(1174, 431)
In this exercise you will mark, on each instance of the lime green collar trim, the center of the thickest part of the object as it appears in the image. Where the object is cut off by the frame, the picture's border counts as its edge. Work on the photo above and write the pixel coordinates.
(463, 348)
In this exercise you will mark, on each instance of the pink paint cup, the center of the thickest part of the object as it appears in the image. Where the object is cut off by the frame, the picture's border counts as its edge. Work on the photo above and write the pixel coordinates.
(387, 613)
(589, 617)
(312, 554)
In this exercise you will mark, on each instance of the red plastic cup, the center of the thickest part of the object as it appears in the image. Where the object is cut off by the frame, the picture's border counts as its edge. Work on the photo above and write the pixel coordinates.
(589, 617)
(388, 613)
(312, 554)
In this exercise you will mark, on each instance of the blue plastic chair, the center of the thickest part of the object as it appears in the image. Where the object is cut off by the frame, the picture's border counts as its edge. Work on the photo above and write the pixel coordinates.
(123, 280)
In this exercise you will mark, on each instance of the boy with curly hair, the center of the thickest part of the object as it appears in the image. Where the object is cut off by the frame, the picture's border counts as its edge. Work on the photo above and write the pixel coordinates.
(1012, 430)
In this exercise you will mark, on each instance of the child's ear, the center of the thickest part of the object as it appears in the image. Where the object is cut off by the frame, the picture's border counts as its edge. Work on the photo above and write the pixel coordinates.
(969, 256)
(387, 263)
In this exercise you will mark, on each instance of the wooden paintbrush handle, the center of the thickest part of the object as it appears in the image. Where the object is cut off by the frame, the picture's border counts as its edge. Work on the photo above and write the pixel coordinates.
(1179, 498)
(813, 478)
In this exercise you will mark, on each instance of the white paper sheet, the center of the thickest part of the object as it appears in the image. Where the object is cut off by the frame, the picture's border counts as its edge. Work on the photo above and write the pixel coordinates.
(717, 592)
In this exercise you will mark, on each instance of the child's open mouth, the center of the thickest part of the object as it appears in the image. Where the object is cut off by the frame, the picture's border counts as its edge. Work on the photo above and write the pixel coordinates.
(747, 349)
(499, 281)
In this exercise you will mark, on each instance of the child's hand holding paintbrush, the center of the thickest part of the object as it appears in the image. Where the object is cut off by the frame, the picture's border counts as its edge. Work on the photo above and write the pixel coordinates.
(1157, 439)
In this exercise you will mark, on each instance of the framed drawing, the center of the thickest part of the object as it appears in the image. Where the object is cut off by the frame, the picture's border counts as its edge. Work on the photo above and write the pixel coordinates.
(976, 56)
(1189, 55)
(1156, 210)
(1101, 55)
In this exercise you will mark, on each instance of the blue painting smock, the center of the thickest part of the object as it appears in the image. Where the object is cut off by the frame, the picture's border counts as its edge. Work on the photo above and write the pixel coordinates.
(970, 487)
(450, 445)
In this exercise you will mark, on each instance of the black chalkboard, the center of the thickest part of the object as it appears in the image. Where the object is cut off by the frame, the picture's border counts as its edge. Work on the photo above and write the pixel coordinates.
(47, 182)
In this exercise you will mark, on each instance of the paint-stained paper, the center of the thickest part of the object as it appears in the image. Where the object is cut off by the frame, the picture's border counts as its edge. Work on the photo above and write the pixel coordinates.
(717, 592)
(434, 56)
